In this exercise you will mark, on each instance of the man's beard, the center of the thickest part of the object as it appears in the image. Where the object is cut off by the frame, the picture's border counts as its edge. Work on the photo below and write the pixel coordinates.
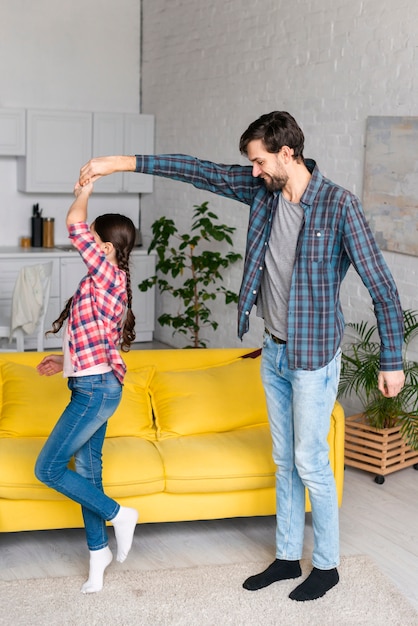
(275, 183)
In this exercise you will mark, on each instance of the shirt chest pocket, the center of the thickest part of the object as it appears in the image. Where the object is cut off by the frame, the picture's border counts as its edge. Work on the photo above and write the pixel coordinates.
(316, 245)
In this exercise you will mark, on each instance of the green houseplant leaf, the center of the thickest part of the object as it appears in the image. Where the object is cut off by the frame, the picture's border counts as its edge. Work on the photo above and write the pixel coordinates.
(201, 271)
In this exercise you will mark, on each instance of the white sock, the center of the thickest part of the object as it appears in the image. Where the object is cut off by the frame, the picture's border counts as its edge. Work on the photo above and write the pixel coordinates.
(99, 560)
(124, 524)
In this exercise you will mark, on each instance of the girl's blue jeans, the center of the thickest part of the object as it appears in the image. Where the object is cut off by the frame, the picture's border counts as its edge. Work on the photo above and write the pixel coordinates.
(80, 433)
(300, 403)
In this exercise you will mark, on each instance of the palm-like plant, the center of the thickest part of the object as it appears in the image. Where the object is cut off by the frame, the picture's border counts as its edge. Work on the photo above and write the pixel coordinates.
(359, 371)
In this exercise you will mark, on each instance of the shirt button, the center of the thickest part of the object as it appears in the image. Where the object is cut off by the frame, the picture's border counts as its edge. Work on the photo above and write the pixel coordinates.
(260, 268)
(247, 312)
(254, 291)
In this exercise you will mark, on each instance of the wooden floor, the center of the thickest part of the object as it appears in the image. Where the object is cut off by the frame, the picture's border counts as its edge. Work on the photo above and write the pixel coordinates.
(378, 520)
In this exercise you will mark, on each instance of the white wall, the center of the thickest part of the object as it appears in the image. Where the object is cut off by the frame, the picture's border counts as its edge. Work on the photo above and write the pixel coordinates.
(82, 56)
(209, 69)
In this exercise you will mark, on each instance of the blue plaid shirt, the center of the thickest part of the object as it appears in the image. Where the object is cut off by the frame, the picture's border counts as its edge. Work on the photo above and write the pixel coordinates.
(334, 234)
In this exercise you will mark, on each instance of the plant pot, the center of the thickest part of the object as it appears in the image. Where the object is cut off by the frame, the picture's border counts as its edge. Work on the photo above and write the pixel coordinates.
(379, 451)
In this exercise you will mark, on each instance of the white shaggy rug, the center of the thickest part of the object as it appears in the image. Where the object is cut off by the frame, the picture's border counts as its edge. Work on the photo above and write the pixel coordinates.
(206, 596)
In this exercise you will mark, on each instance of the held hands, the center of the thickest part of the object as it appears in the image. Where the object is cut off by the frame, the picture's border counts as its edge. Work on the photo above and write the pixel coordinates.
(103, 166)
(86, 190)
(391, 383)
(50, 365)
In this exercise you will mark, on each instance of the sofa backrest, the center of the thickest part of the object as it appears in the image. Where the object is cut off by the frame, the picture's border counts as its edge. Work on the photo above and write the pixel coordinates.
(166, 393)
(212, 399)
(187, 359)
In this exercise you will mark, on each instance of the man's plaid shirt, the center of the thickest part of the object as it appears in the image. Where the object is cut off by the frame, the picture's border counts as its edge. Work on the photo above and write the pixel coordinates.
(98, 308)
(333, 236)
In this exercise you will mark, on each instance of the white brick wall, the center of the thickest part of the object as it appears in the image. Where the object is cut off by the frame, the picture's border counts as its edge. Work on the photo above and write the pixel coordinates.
(209, 69)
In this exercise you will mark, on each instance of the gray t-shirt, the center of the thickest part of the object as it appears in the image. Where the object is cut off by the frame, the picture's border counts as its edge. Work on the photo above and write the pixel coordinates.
(273, 297)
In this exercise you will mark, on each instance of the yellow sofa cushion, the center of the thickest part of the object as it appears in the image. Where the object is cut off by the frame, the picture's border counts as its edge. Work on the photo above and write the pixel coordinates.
(131, 466)
(133, 417)
(214, 399)
(239, 460)
(31, 404)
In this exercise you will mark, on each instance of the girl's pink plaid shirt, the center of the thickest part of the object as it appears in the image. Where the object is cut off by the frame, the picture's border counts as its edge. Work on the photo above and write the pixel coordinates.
(98, 308)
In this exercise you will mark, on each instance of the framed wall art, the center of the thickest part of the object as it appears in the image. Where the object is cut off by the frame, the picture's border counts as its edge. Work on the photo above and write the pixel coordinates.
(390, 189)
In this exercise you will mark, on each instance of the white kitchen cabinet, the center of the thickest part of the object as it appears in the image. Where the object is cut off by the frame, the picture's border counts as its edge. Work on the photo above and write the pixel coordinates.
(57, 144)
(108, 140)
(68, 269)
(12, 132)
(139, 139)
(123, 133)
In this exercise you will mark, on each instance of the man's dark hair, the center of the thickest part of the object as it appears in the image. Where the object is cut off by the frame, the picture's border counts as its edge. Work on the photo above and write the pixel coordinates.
(276, 129)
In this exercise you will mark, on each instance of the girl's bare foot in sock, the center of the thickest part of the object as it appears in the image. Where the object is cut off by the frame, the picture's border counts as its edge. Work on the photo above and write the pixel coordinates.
(124, 524)
(99, 560)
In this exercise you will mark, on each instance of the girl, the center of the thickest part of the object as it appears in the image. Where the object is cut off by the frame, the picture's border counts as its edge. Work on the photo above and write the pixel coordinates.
(96, 320)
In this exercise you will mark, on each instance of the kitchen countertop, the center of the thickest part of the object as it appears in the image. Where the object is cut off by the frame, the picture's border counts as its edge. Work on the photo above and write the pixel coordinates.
(57, 252)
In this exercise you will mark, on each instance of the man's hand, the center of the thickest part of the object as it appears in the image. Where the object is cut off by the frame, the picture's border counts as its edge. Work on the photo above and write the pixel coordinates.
(391, 383)
(103, 166)
(50, 365)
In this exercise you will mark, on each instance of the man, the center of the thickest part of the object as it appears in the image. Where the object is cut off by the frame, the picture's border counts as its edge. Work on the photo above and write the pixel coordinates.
(304, 232)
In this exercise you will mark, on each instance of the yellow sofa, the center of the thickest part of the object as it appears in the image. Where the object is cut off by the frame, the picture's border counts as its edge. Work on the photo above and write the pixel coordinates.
(190, 439)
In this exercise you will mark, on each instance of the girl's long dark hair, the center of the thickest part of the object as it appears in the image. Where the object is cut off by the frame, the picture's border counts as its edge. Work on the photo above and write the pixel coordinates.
(120, 231)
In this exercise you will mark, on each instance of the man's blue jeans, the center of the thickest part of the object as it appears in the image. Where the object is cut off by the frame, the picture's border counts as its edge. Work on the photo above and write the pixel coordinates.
(300, 403)
(80, 433)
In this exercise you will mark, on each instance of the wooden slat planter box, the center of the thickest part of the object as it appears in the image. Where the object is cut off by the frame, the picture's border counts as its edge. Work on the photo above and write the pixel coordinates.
(379, 451)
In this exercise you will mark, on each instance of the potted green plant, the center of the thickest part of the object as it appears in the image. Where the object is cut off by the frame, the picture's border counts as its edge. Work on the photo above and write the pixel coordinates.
(196, 273)
(384, 437)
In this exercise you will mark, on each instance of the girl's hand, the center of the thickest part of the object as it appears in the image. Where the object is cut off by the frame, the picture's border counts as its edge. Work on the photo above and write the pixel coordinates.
(86, 190)
(50, 365)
